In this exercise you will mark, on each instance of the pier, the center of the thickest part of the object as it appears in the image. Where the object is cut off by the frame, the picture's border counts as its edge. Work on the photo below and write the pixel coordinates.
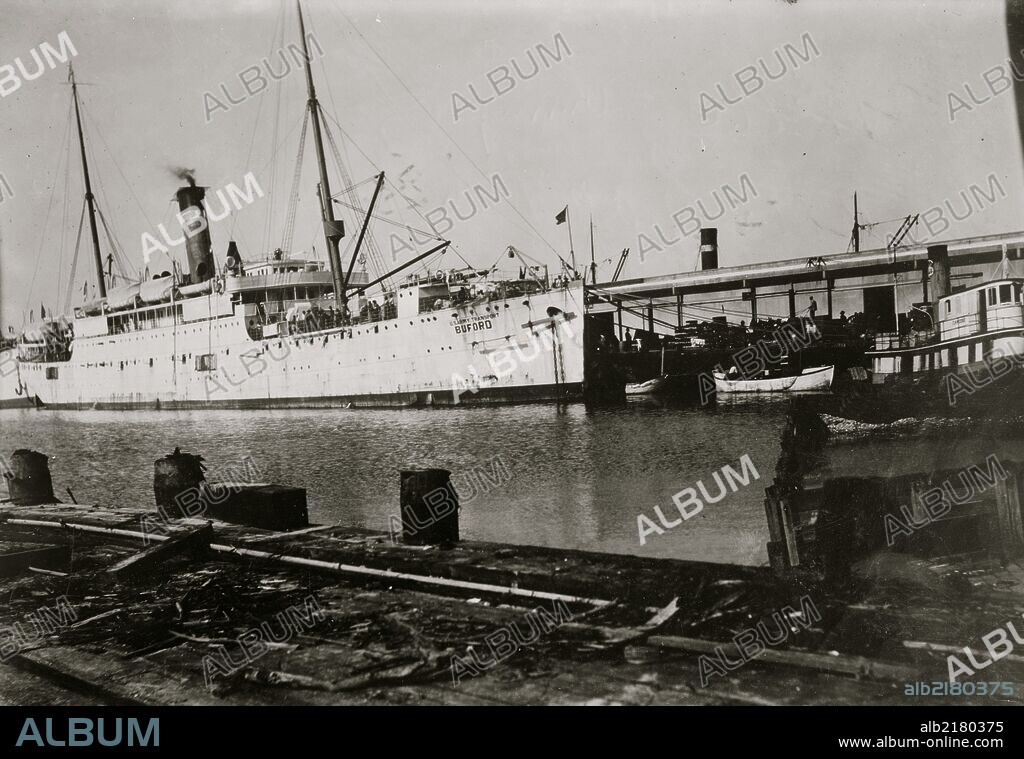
(696, 315)
(125, 606)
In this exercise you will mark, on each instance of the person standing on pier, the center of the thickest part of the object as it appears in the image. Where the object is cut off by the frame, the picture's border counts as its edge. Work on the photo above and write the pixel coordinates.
(813, 308)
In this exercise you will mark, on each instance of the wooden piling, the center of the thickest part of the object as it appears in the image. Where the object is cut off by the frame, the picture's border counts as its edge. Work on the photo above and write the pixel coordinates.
(29, 482)
(430, 508)
(1008, 515)
(173, 476)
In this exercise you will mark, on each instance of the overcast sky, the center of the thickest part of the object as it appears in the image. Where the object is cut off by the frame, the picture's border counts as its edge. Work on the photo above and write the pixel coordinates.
(615, 129)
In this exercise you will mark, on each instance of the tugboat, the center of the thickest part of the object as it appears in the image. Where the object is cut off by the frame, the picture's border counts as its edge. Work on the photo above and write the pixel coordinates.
(968, 331)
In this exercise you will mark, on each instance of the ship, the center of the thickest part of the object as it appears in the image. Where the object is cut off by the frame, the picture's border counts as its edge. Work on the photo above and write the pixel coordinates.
(293, 331)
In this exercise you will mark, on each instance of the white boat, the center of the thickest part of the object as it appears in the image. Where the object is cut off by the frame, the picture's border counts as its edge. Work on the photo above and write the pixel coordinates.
(815, 378)
(651, 386)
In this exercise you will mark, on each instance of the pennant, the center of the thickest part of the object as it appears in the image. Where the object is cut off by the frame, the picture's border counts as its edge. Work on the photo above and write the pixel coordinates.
(560, 219)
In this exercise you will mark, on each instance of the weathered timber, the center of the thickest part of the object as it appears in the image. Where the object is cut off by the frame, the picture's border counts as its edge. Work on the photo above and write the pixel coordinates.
(28, 481)
(831, 663)
(15, 562)
(177, 479)
(430, 508)
(269, 507)
(194, 542)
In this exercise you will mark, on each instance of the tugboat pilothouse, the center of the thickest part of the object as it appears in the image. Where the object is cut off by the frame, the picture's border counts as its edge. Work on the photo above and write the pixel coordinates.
(968, 330)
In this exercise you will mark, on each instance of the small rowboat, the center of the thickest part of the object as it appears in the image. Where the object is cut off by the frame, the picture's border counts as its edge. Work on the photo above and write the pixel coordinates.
(815, 378)
(650, 387)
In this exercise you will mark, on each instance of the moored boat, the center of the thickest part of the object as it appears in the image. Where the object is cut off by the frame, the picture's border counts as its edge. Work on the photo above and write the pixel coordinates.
(291, 331)
(814, 379)
(649, 387)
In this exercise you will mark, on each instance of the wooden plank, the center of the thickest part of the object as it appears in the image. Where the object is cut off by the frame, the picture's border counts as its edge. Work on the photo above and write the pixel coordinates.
(831, 663)
(114, 680)
(792, 552)
(150, 558)
(1008, 514)
(16, 562)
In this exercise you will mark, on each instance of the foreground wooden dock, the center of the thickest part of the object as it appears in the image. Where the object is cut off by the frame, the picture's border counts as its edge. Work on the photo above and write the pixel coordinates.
(386, 619)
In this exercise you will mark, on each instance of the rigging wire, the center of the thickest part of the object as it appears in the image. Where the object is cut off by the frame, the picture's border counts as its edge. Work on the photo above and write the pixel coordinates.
(438, 125)
(117, 253)
(125, 267)
(293, 196)
(373, 252)
(409, 202)
(98, 133)
(63, 229)
(74, 261)
(386, 220)
(269, 216)
(278, 32)
(65, 149)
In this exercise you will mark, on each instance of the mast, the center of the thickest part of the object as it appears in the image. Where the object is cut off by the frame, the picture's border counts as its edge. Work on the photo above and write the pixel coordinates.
(89, 198)
(856, 226)
(572, 253)
(593, 264)
(333, 229)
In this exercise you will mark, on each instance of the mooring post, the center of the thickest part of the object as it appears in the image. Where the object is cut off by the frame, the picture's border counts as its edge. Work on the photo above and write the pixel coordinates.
(430, 508)
(776, 538)
(29, 482)
(177, 484)
(1008, 515)
(789, 531)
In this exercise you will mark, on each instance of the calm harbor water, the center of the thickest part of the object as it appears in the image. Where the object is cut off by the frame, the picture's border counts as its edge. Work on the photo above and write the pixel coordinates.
(576, 478)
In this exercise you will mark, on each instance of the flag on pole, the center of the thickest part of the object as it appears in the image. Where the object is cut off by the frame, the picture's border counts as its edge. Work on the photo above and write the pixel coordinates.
(560, 219)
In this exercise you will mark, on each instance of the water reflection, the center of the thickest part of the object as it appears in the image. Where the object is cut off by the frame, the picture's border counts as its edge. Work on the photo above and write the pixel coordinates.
(579, 477)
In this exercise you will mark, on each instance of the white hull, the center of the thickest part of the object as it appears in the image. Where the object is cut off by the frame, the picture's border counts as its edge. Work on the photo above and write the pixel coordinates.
(12, 393)
(650, 387)
(480, 352)
(816, 378)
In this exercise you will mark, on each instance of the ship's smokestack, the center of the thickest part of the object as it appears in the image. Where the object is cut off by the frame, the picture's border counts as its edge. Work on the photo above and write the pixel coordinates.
(938, 257)
(709, 248)
(197, 231)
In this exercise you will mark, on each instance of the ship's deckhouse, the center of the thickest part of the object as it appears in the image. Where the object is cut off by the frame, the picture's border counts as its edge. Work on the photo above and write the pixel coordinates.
(969, 327)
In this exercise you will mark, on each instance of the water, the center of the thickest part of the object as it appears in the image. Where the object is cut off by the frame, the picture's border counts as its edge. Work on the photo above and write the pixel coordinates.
(578, 477)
